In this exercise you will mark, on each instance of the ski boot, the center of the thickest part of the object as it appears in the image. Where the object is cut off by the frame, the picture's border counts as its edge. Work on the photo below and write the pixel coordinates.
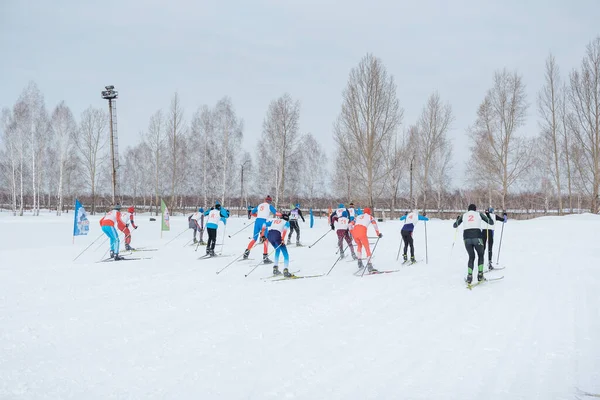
(289, 241)
(266, 259)
(360, 264)
(469, 278)
(246, 254)
(412, 260)
(490, 266)
(342, 255)
(202, 242)
(128, 247)
(298, 243)
(404, 258)
(480, 276)
(112, 254)
(286, 273)
(212, 253)
(276, 270)
(195, 241)
(118, 257)
(354, 256)
(370, 268)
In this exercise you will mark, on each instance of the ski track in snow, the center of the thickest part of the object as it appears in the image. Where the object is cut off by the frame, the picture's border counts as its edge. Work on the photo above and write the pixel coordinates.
(170, 327)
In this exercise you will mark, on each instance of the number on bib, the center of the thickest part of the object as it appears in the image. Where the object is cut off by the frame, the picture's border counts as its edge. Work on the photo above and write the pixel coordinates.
(471, 218)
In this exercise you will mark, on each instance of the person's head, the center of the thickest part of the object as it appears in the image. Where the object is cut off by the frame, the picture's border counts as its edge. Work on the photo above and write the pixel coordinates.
(201, 209)
(344, 214)
(278, 215)
(472, 207)
(351, 205)
(268, 199)
(367, 210)
(131, 210)
(218, 205)
(117, 207)
(491, 209)
(340, 205)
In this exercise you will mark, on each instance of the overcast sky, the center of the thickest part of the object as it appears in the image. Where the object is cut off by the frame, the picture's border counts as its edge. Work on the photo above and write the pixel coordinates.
(254, 51)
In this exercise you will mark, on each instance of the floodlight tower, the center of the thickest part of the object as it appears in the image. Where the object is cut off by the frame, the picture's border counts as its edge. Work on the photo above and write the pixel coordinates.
(111, 95)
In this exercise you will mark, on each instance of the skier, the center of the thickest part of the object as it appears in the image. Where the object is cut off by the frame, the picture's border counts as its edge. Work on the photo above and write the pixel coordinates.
(128, 219)
(360, 226)
(276, 231)
(261, 212)
(215, 214)
(472, 238)
(108, 222)
(488, 233)
(196, 222)
(342, 225)
(411, 220)
(337, 212)
(294, 226)
(249, 211)
(351, 211)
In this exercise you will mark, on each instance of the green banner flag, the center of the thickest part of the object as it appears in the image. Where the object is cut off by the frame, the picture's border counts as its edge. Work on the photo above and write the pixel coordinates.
(165, 226)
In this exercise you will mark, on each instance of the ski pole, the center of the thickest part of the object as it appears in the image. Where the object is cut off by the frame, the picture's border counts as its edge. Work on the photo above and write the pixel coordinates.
(500, 245)
(90, 245)
(237, 258)
(262, 262)
(188, 242)
(319, 239)
(454, 241)
(223, 240)
(399, 248)
(426, 255)
(102, 243)
(232, 235)
(369, 259)
(336, 261)
(177, 236)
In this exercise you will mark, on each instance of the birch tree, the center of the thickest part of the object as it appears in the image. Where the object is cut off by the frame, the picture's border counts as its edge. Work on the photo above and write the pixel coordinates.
(91, 144)
(314, 171)
(11, 155)
(549, 106)
(280, 137)
(155, 140)
(370, 115)
(434, 123)
(176, 143)
(500, 157)
(584, 96)
(63, 129)
(229, 128)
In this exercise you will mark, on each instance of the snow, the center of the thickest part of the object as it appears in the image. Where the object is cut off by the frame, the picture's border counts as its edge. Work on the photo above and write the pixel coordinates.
(170, 327)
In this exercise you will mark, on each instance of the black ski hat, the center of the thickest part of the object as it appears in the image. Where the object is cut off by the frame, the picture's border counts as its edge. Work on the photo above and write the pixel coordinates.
(472, 207)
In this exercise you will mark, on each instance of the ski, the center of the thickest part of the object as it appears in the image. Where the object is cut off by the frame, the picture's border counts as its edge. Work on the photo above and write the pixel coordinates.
(246, 259)
(283, 278)
(206, 256)
(492, 270)
(470, 286)
(125, 259)
(143, 249)
(382, 272)
(278, 276)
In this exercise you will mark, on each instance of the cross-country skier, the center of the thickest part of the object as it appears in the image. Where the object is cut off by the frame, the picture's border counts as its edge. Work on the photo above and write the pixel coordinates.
(410, 222)
(196, 222)
(342, 226)
(215, 214)
(472, 238)
(359, 232)
(337, 212)
(294, 226)
(488, 233)
(276, 231)
(261, 212)
(351, 211)
(128, 219)
(109, 223)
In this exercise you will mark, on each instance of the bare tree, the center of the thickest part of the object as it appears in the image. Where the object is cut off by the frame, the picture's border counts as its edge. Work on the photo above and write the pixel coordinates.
(9, 140)
(91, 144)
(370, 115)
(314, 167)
(63, 128)
(585, 101)
(155, 140)
(176, 143)
(280, 136)
(434, 123)
(396, 166)
(499, 156)
(567, 120)
(549, 99)
(230, 130)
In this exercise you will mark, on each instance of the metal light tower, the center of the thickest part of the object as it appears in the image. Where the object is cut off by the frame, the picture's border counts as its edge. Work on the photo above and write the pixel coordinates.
(111, 95)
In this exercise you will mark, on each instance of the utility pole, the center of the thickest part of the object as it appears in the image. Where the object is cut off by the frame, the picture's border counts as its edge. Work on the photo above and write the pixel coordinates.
(111, 95)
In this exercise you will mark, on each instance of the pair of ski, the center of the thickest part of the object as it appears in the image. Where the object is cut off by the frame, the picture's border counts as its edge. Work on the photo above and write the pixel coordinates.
(470, 286)
(208, 256)
(109, 259)
(378, 272)
(280, 277)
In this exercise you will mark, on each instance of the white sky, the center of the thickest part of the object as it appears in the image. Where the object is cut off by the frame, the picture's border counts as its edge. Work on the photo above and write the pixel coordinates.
(254, 51)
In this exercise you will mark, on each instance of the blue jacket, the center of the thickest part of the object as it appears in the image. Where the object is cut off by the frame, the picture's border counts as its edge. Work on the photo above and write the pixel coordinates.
(411, 227)
(224, 215)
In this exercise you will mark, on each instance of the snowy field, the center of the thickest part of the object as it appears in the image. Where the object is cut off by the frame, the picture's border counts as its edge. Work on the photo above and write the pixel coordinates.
(171, 328)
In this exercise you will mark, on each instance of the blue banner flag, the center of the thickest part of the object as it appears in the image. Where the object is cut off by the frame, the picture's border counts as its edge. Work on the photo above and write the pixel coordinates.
(312, 219)
(81, 225)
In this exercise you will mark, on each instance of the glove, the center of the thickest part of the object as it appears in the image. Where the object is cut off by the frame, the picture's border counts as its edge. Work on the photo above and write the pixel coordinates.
(505, 217)
(263, 239)
(380, 235)
(332, 227)
(135, 227)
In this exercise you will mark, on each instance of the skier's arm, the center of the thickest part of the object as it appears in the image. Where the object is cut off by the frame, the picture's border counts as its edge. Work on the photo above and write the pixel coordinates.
(486, 218)
(376, 227)
(403, 218)
(300, 214)
(458, 221)
(284, 233)
(423, 218)
(503, 218)
(132, 222)
(334, 218)
(272, 209)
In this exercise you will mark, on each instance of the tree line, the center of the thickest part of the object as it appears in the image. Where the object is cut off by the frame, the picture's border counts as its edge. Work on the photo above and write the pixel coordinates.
(49, 158)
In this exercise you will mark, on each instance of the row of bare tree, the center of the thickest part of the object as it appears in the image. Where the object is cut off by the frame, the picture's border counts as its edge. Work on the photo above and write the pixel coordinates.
(53, 157)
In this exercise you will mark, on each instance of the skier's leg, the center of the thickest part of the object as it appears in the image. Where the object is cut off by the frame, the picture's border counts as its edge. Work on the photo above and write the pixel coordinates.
(114, 240)
(480, 256)
(405, 237)
(340, 235)
(286, 257)
(412, 246)
(471, 251)
(490, 245)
